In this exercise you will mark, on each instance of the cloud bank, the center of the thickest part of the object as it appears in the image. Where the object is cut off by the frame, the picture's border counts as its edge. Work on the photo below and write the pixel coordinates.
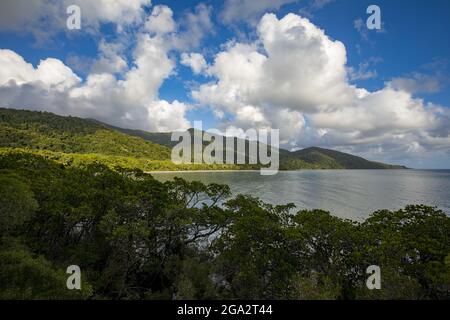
(294, 77)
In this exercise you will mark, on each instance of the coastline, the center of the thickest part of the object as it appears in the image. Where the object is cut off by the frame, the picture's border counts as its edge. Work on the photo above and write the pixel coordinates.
(280, 170)
(199, 171)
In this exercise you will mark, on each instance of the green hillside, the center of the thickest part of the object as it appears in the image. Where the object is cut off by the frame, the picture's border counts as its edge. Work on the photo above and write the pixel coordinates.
(338, 160)
(46, 131)
(77, 141)
(309, 158)
(161, 138)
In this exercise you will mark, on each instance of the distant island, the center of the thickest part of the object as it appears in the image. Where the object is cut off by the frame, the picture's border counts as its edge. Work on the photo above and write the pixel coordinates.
(75, 141)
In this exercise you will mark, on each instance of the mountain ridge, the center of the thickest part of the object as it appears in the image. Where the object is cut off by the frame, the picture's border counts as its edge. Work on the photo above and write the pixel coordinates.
(342, 160)
(69, 138)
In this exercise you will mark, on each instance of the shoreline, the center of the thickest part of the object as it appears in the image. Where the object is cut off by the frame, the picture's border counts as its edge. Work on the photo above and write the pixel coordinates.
(199, 171)
(258, 170)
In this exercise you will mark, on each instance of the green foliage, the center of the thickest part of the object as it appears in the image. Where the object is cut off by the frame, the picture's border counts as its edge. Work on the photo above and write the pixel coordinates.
(330, 159)
(137, 238)
(75, 141)
(252, 250)
(113, 162)
(17, 202)
(416, 241)
(25, 276)
(39, 131)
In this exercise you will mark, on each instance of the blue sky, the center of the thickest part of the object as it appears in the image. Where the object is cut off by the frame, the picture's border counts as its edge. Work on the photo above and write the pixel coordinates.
(393, 84)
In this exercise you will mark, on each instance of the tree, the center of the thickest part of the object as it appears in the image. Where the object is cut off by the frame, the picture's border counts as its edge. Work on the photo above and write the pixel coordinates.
(415, 241)
(28, 277)
(17, 202)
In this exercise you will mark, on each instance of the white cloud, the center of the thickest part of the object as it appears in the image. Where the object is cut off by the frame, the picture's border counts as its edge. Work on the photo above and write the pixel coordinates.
(169, 116)
(195, 61)
(50, 73)
(152, 67)
(295, 78)
(185, 34)
(56, 75)
(14, 68)
(300, 61)
(161, 20)
(45, 18)
(111, 59)
(117, 91)
(120, 12)
(194, 26)
(129, 102)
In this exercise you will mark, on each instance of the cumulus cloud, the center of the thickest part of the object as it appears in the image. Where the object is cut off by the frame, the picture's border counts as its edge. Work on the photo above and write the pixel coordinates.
(195, 61)
(161, 20)
(295, 78)
(299, 61)
(119, 12)
(186, 33)
(194, 27)
(44, 18)
(129, 102)
(111, 58)
(117, 89)
(51, 74)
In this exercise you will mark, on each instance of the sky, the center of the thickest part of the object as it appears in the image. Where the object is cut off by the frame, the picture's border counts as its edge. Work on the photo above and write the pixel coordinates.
(310, 68)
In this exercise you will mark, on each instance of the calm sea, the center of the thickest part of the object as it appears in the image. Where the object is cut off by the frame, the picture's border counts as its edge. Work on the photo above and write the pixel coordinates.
(352, 194)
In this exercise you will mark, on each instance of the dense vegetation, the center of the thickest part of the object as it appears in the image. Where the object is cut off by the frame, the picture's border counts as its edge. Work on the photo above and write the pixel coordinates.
(337, 160)
(46, 131)
(71, 140)
(137, 238)
(309, 158)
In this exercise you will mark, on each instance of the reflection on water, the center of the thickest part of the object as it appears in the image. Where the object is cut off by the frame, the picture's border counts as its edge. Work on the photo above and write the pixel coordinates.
(352, 194)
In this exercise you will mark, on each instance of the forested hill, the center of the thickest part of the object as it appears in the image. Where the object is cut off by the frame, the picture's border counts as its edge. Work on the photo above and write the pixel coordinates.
(47, 131)
(309, 158)
(338, 160)
(70, 139)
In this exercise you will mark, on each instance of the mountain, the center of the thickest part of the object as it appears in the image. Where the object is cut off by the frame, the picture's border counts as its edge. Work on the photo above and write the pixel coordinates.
(309, 158)
(161, 138)
(287, 160)
(338, 160)
(75, 141)
(72, 140)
